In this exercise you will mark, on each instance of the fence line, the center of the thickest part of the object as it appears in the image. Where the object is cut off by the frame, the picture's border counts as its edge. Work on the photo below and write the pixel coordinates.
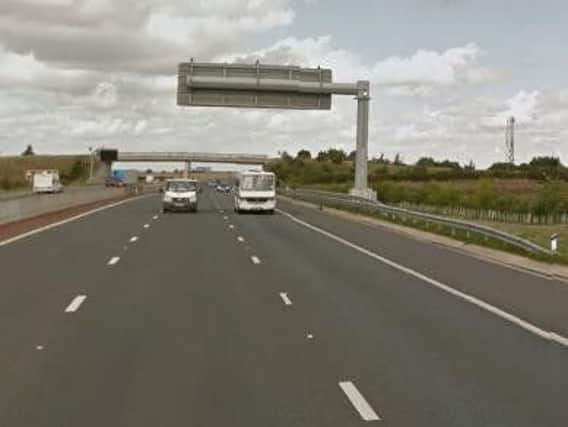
(528, 218)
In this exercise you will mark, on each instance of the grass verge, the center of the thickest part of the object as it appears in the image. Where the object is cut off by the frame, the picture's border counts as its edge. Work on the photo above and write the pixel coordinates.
(537, 236)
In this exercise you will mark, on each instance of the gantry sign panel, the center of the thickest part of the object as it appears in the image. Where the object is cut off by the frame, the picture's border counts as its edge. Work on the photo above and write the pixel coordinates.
(253, 86)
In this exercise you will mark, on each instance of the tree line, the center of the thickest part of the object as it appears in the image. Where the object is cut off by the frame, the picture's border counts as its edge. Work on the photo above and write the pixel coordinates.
(541, 168)
(433, 182)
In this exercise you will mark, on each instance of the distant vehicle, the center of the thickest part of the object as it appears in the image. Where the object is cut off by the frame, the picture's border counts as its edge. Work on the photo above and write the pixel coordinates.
(223, 188)
(121, 178)
(255, 191)
(180, 195)
(130, 177)
(117, 175)
(149, 179)
(111, 181)
(46, 181)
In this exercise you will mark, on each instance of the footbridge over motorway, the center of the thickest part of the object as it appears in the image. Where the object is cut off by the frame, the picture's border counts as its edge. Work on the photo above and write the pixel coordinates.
(181, 157)
(237, 158)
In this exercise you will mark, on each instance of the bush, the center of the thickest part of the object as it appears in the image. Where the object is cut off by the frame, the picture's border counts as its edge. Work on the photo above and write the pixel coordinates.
(78, 171)
(549, 200)
(7, 184)
(484, 194)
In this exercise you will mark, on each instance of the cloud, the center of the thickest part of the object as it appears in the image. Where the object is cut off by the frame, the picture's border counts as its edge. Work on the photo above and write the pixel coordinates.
(416, 75)
(145, 36)
(308, 52)
(426, 69)
(104, 96)
(190, 30)
(523, 106)
(17, 69)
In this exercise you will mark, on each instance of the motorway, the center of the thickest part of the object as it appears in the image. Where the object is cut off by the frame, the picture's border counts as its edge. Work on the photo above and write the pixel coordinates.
(129, 317)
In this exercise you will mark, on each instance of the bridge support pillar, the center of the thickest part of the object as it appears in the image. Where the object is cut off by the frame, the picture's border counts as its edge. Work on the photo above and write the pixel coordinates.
(107, 168)
(361, 188)
(187, 169)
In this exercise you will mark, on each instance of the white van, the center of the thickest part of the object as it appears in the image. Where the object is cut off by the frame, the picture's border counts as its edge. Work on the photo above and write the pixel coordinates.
(255, 192)
(180, 195)
(47, 181)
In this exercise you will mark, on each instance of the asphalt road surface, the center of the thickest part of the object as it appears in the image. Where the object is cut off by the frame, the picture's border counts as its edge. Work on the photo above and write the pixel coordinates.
(18, 194)
(130, 317)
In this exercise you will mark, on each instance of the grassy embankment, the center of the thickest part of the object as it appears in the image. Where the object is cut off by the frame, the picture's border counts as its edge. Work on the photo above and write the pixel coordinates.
(72, 169)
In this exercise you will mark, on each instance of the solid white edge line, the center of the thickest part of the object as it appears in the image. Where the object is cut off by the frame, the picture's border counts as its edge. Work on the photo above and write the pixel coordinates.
(113, 260)
(460, 250)
(255, 259)
(75, 304)
(67, 220)
(547, 335)
(358, 401)
(285, 298)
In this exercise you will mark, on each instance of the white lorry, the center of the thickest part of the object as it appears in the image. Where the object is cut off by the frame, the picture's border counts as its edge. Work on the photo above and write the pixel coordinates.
(255, 191)
(46, 181)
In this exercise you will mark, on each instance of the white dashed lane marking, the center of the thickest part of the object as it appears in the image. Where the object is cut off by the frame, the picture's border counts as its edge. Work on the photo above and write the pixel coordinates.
(358, 401)
(134, 239)
(75, 304)
(255, 259)
(285, 298)
(113, 260)
(241, 239)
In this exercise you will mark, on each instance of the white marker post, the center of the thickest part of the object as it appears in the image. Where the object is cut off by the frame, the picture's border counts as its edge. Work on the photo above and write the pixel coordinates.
(554, 243)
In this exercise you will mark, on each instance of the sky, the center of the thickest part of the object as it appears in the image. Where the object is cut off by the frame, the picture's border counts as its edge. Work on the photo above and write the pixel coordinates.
(445, 75)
